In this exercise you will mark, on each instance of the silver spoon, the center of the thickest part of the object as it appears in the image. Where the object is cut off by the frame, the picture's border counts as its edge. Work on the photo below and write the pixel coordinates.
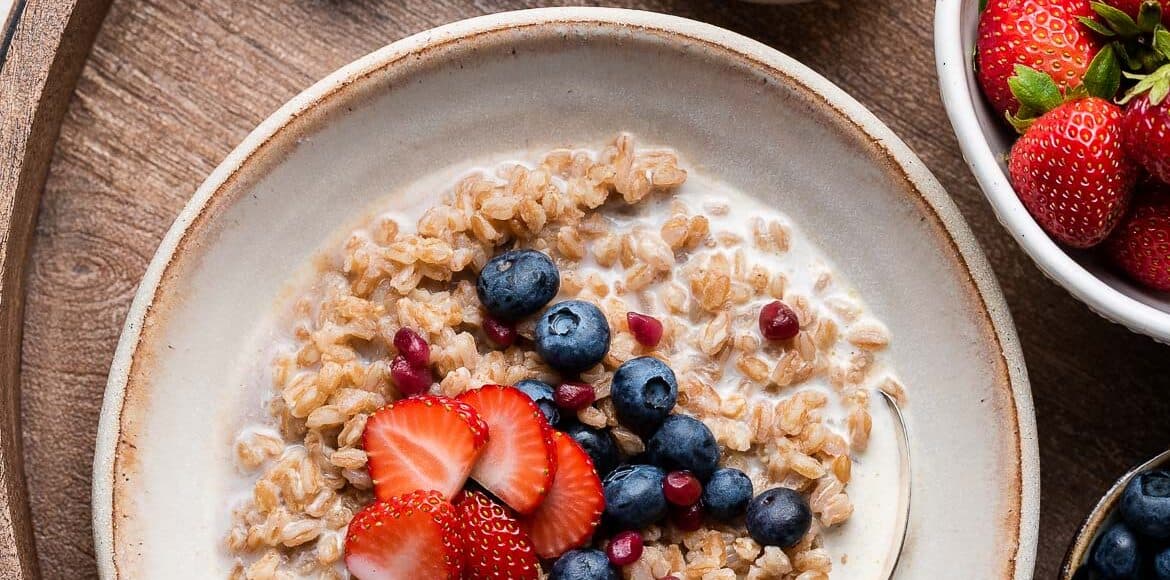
(903, 522)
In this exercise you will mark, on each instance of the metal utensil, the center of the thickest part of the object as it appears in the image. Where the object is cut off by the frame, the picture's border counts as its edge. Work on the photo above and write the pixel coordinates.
(905, 474)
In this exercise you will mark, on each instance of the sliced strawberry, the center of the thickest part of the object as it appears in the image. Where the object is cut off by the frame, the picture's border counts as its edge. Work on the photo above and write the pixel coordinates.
(494, 546)
(423, 442)
(572, 510)
(519, 461)
(415, 536)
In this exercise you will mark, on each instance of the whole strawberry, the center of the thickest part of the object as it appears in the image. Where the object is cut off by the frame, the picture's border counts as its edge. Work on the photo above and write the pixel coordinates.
(1146, 128)
(1043, 34)
(1133, 7)
(1070, 171)
(1141, 244)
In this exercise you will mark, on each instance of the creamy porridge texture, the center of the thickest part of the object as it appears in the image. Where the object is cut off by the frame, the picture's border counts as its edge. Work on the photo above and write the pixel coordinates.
(627, 236)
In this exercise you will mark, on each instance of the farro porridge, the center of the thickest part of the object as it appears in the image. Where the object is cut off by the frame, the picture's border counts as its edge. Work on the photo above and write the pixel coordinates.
(628, 231)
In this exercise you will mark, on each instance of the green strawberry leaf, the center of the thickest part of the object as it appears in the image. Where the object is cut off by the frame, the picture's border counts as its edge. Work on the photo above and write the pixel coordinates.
(1157, 84)
(1149, 15)
(1096, 26)
(1103, 77)
(1020, 123)
(1036, 91)
(1162, 41)
(1119, 21)
(982, 5)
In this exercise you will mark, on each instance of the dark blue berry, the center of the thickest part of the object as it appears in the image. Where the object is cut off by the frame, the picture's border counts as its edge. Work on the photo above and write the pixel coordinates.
(778, 517)
(684, 442)
(727, 494)
(572, 336)
(633, 497)
(585, 564)
(1161, 565)
(599, 444)
(541, 393)
(515, 284)
(644, 391)
(1115, 554)
(1145, 505)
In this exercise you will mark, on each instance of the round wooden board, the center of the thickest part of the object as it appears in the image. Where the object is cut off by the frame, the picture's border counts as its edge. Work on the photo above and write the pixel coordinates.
(173, 85)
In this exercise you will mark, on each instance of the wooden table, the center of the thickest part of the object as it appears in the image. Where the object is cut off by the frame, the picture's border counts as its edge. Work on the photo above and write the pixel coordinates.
(172, 85)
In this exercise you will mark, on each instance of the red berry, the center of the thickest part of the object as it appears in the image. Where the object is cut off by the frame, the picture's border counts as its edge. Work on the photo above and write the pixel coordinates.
(501, 334)
(1072, 173)
(671, 577)
(412, 346)
(681, 488)
(1042, 34)
(574, 396)
(1131, 7)
(1141, 244)
(687, 519)
(647, 330)
(1146, 128)
(410, 379)
(625, 548)
(778, 321)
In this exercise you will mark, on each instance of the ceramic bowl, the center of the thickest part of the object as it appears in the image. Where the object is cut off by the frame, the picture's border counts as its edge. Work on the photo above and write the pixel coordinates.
(1100, 518)
(985, 141)
(512, 84)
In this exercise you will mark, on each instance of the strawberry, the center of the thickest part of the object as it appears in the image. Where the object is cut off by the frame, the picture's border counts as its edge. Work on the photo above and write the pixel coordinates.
(1141, 244)
(1070, 171)
(1132, 8)
(423, 442)
(1044, 34)
(1146, 128)
(417, 535)
(572, 510)
(494, 545)
(519, 461)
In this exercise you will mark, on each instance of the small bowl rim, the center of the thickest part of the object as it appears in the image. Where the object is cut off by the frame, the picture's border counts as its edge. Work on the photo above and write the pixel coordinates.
(1054, 261)
(1078, 549)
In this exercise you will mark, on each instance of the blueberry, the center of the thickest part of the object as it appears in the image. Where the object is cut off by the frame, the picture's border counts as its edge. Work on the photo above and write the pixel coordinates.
(727, 494)
(778, 517)
(1115, 554)
(684, 442)
(644, 391)
(633, 497)
(1145, 505)
(584, 564)
(1161, 565)
(541, 393)
(515, 284)
(599, 444)
(572, 336)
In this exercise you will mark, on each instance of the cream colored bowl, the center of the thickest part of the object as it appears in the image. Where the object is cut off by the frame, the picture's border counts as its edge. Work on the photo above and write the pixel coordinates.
(520, 82)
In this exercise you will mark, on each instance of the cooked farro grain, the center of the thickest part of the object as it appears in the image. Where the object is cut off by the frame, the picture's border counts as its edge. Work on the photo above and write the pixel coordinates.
(765, 403)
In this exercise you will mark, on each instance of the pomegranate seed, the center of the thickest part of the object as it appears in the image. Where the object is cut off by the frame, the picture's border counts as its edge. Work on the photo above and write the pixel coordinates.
(681, 488)
(625, 548)
(574, 396)
(410, 379)
(501, 334)
(412, 346)
(778, 321)
(647, 330)
(687, 519)
(671, 577)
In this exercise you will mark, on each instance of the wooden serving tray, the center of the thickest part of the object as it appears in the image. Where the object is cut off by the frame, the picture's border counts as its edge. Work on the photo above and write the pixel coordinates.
(172, 85)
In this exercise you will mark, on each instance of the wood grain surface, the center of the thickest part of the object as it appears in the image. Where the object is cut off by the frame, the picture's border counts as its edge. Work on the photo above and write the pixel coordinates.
(173, 85)
(36, 81)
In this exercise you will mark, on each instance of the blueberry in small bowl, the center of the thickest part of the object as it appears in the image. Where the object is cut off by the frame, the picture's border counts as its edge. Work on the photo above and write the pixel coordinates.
(585, 564)
(684, 443)
(598, 443)
(541, 393)
(727, 494)
(633, 497)
(1145, 505)
(644, 390)
(1115, 555)
(515, 284)
(572, 336)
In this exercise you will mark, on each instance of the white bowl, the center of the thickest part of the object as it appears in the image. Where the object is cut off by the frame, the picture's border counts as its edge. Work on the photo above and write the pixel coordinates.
(985, 141)
(516, 83)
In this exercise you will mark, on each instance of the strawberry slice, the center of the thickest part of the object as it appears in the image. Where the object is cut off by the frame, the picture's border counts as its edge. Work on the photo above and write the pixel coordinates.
(417, 535)
(519, 461)
(494, 546)
(423, 442)
(572, 510)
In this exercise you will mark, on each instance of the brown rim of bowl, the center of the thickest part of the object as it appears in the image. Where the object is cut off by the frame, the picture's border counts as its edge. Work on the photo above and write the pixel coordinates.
(116, 451)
